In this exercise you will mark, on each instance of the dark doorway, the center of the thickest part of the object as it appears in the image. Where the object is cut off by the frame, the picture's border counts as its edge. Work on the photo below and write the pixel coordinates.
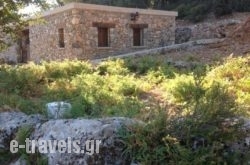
(25, 46)
(61, 38)
(137, 37)
(103, 37)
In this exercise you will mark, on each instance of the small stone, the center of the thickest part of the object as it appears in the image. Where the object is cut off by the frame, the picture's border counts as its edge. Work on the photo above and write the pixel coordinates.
(57, 110)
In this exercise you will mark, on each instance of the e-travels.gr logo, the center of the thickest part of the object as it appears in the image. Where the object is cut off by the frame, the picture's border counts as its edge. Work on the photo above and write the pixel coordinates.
(89, 147)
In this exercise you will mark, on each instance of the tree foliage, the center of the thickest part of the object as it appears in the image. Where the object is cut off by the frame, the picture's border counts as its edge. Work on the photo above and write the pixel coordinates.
(159, 4)
(194, 10)
(11, 20)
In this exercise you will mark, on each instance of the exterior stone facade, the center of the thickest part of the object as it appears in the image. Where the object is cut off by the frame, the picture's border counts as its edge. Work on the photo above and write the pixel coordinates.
(80, 24)
(10, 55)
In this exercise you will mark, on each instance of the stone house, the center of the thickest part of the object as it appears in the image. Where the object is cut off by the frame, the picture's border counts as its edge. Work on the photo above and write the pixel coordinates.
(87, 31)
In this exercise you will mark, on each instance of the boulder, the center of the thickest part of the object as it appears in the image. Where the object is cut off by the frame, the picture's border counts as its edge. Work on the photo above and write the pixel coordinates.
(99, 139)
(20, 161)
(103, 130)
(10, 122)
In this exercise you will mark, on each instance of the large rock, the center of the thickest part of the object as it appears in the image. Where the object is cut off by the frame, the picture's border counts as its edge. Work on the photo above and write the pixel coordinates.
(19, 161)
(182, 35)
(10, 122)
(104, 130)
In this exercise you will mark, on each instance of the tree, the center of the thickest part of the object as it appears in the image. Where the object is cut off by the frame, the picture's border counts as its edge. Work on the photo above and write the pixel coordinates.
(11, 20)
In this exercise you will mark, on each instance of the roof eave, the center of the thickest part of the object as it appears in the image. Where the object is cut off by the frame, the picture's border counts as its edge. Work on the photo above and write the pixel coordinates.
(85, 6)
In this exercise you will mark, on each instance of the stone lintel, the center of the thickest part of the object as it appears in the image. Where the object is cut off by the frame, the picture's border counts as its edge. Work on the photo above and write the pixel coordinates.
(136, 25)
(103, 24)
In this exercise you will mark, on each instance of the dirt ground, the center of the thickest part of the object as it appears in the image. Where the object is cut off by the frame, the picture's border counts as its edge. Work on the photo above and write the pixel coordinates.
(236, 43)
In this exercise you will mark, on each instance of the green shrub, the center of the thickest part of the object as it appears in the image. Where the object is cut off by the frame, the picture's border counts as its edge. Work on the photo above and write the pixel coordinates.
(190, 92)
(25, 80)
(81, 107)
(187, 92)
(171, 141)
(241, 5)
(151, 144)
(102, 95)
(60, 89)
(160, 74)
(116, 67)
(142, 65)
(168, 86)
(33, 158)
(222, 7)
(234, 74)
(129, 107)
(198, 12)
(25, 105)
(66, 69)
(21, 135)
(183, 10)
(7, 156)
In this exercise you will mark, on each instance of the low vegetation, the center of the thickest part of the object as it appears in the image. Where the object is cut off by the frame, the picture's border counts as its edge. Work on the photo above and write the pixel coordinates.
(191, 115)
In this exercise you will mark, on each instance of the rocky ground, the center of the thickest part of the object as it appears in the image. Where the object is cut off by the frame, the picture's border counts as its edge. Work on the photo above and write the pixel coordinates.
(105, 130)
(233, 29)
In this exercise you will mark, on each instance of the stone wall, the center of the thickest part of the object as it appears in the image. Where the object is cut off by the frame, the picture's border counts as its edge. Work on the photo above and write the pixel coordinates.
(44, 38)
(17, 50)
(205, 30)
(220, 29)
(81, 37)
(10, 55)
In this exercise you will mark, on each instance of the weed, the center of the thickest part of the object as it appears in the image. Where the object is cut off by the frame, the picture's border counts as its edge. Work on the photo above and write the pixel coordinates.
(34, 158)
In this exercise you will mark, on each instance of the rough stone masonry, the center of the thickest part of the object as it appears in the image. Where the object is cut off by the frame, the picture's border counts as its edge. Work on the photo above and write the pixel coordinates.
(86, 31)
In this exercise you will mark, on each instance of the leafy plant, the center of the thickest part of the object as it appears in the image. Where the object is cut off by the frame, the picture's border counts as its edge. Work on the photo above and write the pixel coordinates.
(34, 158)
(151, 144)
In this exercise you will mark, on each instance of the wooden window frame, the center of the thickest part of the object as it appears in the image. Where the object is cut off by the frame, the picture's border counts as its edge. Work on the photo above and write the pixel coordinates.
(138, 42)
(137, 26)
(103, 39)
(107, 26)
(61, 42)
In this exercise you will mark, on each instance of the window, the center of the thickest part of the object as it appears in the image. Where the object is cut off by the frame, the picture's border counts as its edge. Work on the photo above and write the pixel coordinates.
(137, 36)
(61, 38)
(26, 36)
(103, 29)
(138, 33)
(103, 37)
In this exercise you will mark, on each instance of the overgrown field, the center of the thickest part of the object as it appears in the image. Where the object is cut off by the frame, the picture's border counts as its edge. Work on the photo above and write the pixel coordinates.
(178, 106)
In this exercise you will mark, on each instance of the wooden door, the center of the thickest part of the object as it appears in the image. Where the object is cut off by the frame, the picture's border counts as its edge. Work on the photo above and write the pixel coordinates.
(103, 37)
(137, 37)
